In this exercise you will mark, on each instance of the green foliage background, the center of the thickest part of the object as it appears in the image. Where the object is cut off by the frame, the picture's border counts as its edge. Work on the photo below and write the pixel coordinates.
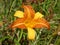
(51, 11)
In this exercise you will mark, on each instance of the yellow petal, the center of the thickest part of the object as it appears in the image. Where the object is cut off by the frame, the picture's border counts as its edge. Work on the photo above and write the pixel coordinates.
(19, 14)
(38, 15)
(31, 33)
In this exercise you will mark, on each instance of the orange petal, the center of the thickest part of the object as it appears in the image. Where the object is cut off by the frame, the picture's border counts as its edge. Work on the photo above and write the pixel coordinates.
(19, 23)
(41, 22)
(28, 11)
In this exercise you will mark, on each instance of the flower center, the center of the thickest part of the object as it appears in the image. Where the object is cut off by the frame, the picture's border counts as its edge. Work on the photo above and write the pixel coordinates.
(29, 23)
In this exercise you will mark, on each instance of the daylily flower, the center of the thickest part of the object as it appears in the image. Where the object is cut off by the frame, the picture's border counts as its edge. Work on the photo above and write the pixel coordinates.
(29, 20)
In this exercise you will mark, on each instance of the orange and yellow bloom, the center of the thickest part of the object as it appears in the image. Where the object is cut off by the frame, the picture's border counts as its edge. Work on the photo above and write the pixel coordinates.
(29, 20)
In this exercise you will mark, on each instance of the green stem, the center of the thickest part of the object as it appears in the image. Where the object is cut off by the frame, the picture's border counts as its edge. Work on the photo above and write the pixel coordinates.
(55, 3)
(57, 41)
(12, 5)
(50, 40)
(34, 43)
(20, 35)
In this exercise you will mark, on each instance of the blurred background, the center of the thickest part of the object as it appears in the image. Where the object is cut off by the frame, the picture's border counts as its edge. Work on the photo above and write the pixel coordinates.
(51, 11)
